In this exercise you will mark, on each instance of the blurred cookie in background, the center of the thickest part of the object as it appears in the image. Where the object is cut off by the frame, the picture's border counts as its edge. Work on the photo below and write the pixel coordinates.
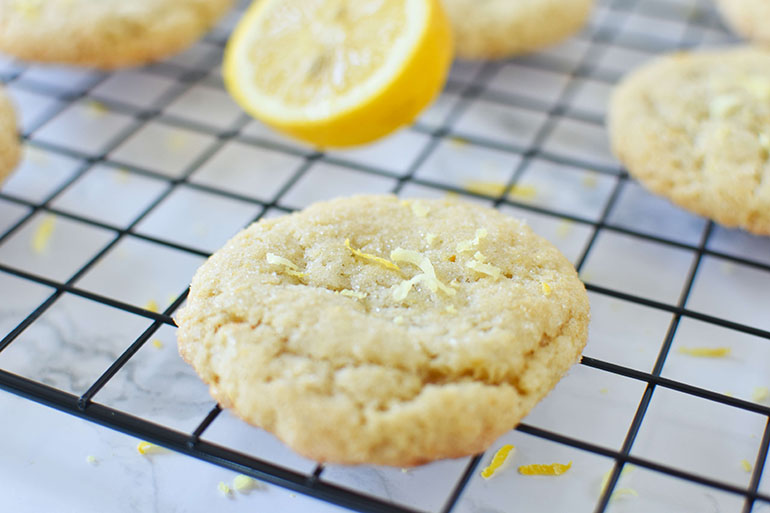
(492, 29)
(9, 140)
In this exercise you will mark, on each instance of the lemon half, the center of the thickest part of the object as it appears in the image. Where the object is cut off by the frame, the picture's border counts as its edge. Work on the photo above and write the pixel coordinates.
(338, 72)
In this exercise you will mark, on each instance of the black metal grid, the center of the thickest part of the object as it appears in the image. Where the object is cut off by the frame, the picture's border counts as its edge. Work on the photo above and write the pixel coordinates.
(603, 36)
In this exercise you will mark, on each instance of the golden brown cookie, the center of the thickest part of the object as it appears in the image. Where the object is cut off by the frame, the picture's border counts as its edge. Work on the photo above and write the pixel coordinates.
(373, 330)
(9, 139)
(749, 18)
(695, 127)
(491, 29)
(106, 33)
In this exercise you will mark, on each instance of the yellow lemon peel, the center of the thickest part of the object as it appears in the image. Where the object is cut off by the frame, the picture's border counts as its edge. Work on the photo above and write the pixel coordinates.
(469, 245)
(338, 73)
(705, 352)
(536, 469)
(497, 461)
(480, 265)
(374, 258)
(224, 489)
(43, 234)
(746, 465)
(157, 343)
(546, 289)
(91, 460)
(428, 275)
(290, 267)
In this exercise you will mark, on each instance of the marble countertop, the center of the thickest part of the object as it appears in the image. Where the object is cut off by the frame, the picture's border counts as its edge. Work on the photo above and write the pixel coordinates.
(131, 178)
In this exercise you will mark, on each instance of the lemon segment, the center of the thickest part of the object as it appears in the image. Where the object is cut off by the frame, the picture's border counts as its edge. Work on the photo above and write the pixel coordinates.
(338, 73)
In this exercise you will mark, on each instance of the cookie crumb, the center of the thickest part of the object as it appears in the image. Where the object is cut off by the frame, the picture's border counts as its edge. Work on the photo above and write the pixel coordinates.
(536, 469)
(152, 306)
(498, 460)
(429, 238)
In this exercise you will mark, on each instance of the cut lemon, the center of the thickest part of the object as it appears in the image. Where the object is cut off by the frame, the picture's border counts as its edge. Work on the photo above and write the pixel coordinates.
(338, 72)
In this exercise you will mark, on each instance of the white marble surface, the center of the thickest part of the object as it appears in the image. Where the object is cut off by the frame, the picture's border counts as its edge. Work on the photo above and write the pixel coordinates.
(226, 183)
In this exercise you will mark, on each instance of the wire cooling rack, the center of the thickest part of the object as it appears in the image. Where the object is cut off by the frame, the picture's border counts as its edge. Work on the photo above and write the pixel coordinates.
(131, 178)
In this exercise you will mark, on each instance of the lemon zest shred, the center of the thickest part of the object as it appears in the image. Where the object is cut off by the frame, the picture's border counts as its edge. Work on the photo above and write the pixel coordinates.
(746, 465)
(291, 267)
(619, 493)
(523, 191)
(43, 234)
(91, 460)
(352, 293)
(146, 448)
(96, 108)
(480, 265)
(419, 209)
(244, 484)
(497, 461)
(152, 306)
(759, 394)
(224, 489)
(537, 469)
(485, 187)
(157, 343)
(374, 258)
(546, 289)
(469, 245)
(705, 352)
(428, 276)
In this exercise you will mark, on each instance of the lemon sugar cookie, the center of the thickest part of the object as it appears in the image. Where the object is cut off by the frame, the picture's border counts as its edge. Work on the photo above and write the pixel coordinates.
(9, 140)
(749, 18)
(492, 29)
(106, 33)
(374, 330)
(337, 73)
(695, 127)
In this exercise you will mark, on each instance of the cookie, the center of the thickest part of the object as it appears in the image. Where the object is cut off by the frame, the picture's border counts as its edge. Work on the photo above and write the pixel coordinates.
(492, 29)
(9, 139)
(695, 127)
(373, 330)
(748, 18)
(105, 34)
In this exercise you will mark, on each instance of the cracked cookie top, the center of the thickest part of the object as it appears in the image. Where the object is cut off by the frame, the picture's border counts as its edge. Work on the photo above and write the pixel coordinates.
(695, 127)
(377, 330)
